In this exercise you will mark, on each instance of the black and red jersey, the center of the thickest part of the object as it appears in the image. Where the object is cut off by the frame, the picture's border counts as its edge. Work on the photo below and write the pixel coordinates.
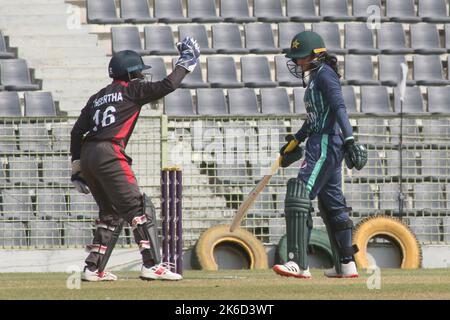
(111, 113)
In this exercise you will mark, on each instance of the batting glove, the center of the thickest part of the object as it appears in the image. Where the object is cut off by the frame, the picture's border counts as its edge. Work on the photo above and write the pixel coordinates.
(288, 139)
(77, 179)
(189, 53)
(355, 155)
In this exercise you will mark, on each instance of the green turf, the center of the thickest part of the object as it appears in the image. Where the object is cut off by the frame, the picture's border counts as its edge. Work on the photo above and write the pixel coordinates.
(231, 284)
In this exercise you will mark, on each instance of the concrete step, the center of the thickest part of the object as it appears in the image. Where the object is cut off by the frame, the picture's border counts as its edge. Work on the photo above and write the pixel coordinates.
(76, 86)
(61, 53)
(61, 29)
(37, 21)
(96, 62)
(71, 73)
(80, 40)
(30, 2)
(13, 8)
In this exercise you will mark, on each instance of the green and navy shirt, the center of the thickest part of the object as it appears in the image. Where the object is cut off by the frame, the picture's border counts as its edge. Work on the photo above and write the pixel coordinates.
(325, 107)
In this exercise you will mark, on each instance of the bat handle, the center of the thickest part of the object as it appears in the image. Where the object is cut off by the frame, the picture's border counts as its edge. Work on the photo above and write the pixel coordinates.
(291, 146)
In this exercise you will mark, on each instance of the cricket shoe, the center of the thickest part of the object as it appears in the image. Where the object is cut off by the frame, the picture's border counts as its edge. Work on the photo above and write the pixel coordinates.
(291, 269)
(160, 272)
(95, 276)
(348, 271)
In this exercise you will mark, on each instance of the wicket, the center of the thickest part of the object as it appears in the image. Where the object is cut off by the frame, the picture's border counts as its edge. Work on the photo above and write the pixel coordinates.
(171, 217)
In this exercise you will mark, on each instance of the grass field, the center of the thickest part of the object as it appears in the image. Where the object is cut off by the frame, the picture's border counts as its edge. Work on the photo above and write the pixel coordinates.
(228, 284)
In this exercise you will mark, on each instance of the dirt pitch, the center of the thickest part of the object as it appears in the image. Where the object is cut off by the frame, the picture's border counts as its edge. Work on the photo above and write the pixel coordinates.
(229, 284)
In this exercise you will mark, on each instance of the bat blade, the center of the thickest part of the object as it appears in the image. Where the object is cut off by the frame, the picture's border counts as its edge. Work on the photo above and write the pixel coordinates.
(251, 197)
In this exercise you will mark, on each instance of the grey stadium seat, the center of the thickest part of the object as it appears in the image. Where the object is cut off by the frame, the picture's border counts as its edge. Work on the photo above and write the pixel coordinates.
(235, 11)
(4, 53)
(446, 221)
(389, 197)
(286, 32)
(425, 39)
(447, 37)
(56, 170)
(410, 130)
(359, 39)
(299, 105)
(242, 101)
(158, 67)
(126, 38)
(193, 79)
(429, 196)
(159, 40)
(361, 12)
(60, 137)
(268, 11)
(401, 11)
(302, 11)
(428, 71)
(435, 129)
(232, 173)
(179, 103)
(426, 229)
(413, 101)
(45, 233)
(348, 93)
(202, 11)
(15, 76)
(439, 100)
(335, 10)
(23, 170)
(259, 38)
(389, 69)
(33, 137)
(221, 72)
(51, 203)
(435, 164)
(198, 32)
(211, 102)
(282, 74)
(331, 36)
(391, 39)
(375, 100)
(136, 11)
(10, 104)
(372, 131)
(39, 104)
(7, 139)
(82, 205)
(226, 39)
(13, 234)
(169, 11)
(102, 12)
(359, 70)
(433, 11)
(17, 204)
(255, 72)
(275, 101)
(359, 196)
(78, 233)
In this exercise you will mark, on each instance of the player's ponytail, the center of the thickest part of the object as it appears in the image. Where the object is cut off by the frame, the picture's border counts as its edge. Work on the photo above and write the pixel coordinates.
(332, 61)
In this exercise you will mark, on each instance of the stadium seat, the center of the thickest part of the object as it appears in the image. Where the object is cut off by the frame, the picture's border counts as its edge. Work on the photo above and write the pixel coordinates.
(179, 103)
(401, 11)
(33, 137)
(136, 11)
(159, 40)
(4, 53)
(446, 221)
(375, 100)
(425, 39)
(331, 36)
(302, 11)
(226, 39)
(426, 229)
(242, 101)
(359, 197)
(56, 170)
(82, 205)
(447, 37)
(259, 38)
(3, 174)
(435, 164)
(23, 170)
(434, 130)
(371, 131)
(232, 173)
(44, 233)
(359, 39)
(169, 11)
(391, 39)
(299, 104)
(126, 38)
(221, 72)
(102, 12)
(51, 204)
(202, 11)
(7, 139)
(413, 101)
(10, 104)
(198, 32)
(255, 72)
(409, 163)
(350, 99)
(264, 205)
(428, 71)
(286, 32)
(17, 204)
(39, 104)
(389, 69)
(439, 100)
(15, 75)
(275, 101)
(235, 11)
(78, 233)
(60, 137)
(13, 234)
(193, 79)
(268, 11)
(335, 10)
(361, 12)
(158, 68)
(411, 131)
(359, 70)
(282, 74)
(433, 11)
(389, 197)
(211, 102)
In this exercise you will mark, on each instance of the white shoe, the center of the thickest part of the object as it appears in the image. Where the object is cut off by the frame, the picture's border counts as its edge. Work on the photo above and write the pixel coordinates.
(159, 272)
(291, 269)
(95, 276)
(348, 271)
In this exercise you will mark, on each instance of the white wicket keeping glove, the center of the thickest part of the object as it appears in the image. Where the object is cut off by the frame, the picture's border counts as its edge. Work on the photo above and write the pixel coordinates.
(189, 53)
(77, 179)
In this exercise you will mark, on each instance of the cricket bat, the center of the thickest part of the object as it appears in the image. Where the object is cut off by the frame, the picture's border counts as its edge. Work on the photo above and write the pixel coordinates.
(251, 197)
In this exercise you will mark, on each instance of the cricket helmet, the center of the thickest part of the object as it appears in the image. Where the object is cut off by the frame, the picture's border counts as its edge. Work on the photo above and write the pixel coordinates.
(304, 44)
(125, 62)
